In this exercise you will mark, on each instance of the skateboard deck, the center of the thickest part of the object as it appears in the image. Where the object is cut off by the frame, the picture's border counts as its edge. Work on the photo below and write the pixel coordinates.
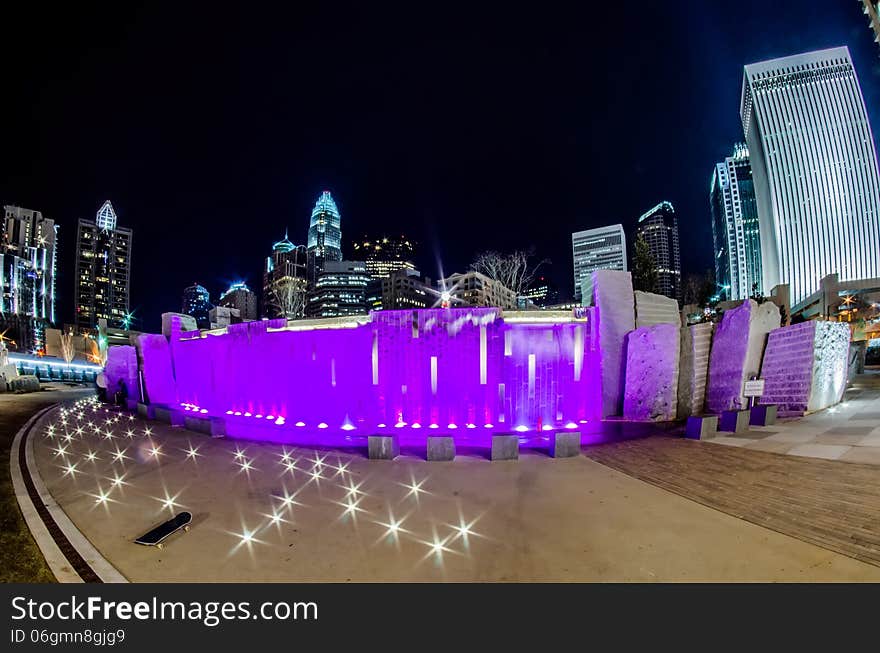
(156, 536)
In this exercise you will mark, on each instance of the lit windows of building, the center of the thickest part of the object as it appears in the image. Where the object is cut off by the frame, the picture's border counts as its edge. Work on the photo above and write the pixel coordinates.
(476, 289)
(659, 228)
(241, 298)
(385, 255)
(197, 303)
(597, 249)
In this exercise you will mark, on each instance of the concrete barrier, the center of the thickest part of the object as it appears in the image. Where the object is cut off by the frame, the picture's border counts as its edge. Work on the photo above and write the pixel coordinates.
(383, 447)
(734, 421)
(701, 427)
(440, 447)
(565, 444)
(505, 446)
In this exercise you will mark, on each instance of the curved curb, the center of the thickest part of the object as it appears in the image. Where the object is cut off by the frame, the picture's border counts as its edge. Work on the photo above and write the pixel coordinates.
(69, 554)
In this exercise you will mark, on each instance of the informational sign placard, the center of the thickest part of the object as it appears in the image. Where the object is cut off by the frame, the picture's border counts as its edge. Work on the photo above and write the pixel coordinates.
(754, 388)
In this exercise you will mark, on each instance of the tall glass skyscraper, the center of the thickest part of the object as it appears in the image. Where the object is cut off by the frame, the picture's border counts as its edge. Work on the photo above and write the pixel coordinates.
(815, 170)
(596, 249)
(197, 303)
(659, 228)
(324, 241)
(735, 231)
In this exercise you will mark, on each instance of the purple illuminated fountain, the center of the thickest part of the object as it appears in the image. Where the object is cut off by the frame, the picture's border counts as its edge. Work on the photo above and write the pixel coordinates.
(464, 372)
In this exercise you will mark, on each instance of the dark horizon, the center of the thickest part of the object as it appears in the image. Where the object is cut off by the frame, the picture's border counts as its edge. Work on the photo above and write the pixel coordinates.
(213, 134)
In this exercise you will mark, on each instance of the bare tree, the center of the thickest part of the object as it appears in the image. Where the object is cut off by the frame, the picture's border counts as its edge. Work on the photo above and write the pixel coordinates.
(288, 298)
(514, 271)
(68, 352)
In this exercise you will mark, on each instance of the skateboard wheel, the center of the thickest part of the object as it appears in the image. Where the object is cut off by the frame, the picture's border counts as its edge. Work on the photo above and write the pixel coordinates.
(160, 545)
(186, 529)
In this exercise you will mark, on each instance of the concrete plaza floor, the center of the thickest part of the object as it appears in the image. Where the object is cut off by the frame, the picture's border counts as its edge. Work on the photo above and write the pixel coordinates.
(268, 513)
(849, 431)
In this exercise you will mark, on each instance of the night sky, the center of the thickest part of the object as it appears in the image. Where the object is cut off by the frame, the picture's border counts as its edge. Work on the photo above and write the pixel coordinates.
(213, 132)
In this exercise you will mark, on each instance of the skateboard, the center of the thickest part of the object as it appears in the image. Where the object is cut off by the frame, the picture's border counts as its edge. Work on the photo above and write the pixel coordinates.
(156, 536)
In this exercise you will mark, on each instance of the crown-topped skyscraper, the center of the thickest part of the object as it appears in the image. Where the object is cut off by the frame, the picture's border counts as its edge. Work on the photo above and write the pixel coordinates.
(324, 241)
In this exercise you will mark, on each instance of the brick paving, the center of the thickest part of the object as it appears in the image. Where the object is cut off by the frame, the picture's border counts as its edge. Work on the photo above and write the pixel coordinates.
(827, 503)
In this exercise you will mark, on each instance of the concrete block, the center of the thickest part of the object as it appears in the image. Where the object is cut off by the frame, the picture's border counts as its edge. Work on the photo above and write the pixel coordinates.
(652, 373)
(763, 415)
(168, 415)
(146, 410)
(701, 427)
(734, 421)
(805, 366)
(441, 447)
(213, 426)
(122, 365)
(612, 295)
(693, 368)
(652, 308)
(505, 446)
(565, 444)
(737, 350)
(158, 370)
(173, 324)
(383, 447)
(131, 404)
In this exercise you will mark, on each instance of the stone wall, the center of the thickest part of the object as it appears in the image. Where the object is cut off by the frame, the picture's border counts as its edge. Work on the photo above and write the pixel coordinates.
(652, 354)
(737, 349)
(652, 308)
(159, 381)
(805, 366)
(613, 296)
(696, 342)
(122, 365)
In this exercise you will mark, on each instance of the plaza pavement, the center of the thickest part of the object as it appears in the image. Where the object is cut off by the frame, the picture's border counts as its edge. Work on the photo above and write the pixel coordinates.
(849, 431)
(265, 512)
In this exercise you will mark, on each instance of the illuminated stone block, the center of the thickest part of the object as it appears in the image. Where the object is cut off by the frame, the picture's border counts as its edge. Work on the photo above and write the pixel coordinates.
(159, 380)
(505, 447)
(131, 404)
(122, 365)
(805, 366)
(652, 373)
(652, 308)
(146, 410)
(693, 368)
(737, 349)
(701, 427)
(441, 447)
(565, 444)
(169, 415)
(763, 415)
(734, 421)
(612, 294)
(213, 426)
(383, 447)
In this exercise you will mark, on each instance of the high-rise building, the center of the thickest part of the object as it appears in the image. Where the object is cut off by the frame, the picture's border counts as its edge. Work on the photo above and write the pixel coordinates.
(325, 235)
(384, 255)
(815, 170)
(405, 288)
(475, 289)
(340, 290)
(597, 249)
(541, 293)
(659, 228)
(28, 260)
(735, 231)
(197, 303)
(284, 280)
(240, 297)
(103, 271)
(872, 11)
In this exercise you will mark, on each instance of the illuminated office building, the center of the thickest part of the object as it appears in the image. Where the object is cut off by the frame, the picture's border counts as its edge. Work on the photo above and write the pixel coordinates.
(659, 228)
(385, 255)
(324, 241)
(28, 265)
(597, 249)
(284, 280)
(340, 290)
(242, 298)
(197, 303)
(103, 271)
(735, 233)
(815, 170)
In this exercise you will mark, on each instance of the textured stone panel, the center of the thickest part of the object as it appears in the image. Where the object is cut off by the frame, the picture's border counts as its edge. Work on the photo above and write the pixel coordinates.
(612, 294)
(652, 308)
(805, 366)
(693, 368)
(652, 373)
(158, 372)
(122, 365)
(177, 323)
(737, 350)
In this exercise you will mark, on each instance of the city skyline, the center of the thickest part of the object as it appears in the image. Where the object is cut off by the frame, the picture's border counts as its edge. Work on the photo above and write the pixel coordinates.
(544, 197)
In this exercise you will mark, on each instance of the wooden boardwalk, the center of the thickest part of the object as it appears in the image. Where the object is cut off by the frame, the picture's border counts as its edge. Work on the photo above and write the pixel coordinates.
(835, 505)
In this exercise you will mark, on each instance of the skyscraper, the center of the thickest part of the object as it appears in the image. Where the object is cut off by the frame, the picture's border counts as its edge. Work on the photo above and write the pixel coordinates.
(197, 303)
(103, 277)
(384, 255)
(284, 280)
(597, 249)
(340, 290)
(872, 11)
(242, 298)
(659, 228)
(28, 259)
(815, 170)
(735, 232)
(325, 235)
